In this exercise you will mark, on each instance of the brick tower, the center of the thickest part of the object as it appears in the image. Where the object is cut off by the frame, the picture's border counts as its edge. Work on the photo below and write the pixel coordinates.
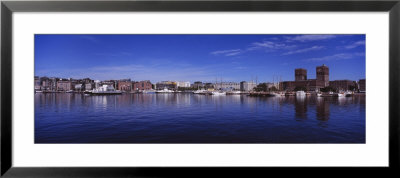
(323, 75)
(300, 74)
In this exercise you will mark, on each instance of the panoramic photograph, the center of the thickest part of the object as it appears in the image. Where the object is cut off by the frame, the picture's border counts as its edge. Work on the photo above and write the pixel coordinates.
(199, 88)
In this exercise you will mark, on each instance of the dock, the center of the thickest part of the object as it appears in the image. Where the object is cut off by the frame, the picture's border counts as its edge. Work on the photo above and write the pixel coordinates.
(265, 94)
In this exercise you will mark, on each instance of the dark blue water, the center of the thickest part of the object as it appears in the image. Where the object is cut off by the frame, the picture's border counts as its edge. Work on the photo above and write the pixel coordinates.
(189, 118)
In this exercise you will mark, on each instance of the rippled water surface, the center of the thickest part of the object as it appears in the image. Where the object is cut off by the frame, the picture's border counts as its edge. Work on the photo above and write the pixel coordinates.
(189, 118)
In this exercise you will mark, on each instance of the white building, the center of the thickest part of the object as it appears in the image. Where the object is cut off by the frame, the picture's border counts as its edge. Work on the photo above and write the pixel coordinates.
(105, 88)
(96, 84)
(182, 84)
(79, 87)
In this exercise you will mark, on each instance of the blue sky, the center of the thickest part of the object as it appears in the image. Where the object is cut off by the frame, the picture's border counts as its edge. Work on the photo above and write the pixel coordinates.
(198, 57)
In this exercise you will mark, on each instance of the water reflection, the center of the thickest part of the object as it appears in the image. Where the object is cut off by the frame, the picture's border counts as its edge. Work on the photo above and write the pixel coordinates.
(323, 108)
(301, 107)
(189, 118)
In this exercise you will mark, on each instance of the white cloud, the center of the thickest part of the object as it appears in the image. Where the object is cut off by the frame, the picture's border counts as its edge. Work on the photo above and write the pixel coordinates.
(240, 68)
(314, 48)
(339, 56)
(269, 46)
(305, 38)
(233, 53)
(355, 44)
(230, 52)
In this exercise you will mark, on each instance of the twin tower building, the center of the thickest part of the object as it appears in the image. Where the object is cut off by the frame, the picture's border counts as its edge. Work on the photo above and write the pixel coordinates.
(301, 80)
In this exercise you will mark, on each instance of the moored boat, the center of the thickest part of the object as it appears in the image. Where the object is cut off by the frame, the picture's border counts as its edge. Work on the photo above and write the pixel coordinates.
(290, 94)
(148, 91)
(87, 92)
(165, 90)
(300, 93)
(233, 93)
(105, 90)
(349, 93)
(277, 94)
(340, 95)
(199, 91)
(218, 93)
(328, 94)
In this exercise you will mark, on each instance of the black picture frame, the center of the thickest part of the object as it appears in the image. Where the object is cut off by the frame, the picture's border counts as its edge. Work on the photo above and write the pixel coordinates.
(8, 7)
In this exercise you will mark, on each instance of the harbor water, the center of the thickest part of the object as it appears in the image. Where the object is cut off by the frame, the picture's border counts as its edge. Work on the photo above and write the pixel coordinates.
(191, 118)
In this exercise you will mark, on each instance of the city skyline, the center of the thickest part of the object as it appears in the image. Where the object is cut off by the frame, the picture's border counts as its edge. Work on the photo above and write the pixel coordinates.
(192, 58)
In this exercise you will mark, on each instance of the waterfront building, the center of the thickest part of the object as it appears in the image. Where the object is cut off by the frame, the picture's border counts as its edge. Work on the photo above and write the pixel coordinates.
(110, 82)
(142, 85)
(227, 86)
(125, 85)
(208, 86)
(44, 82)
(37, 83)
(64, 85)
(104, 88)
(198, 85)
(361, 85)
(308, 85)
(301, 80)
(342, 85)
(47, 84)
(53, 83)
(87, 80)
(89, 86)
(73, 81)
(247, 86)
(171, 85)
(183, 84)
